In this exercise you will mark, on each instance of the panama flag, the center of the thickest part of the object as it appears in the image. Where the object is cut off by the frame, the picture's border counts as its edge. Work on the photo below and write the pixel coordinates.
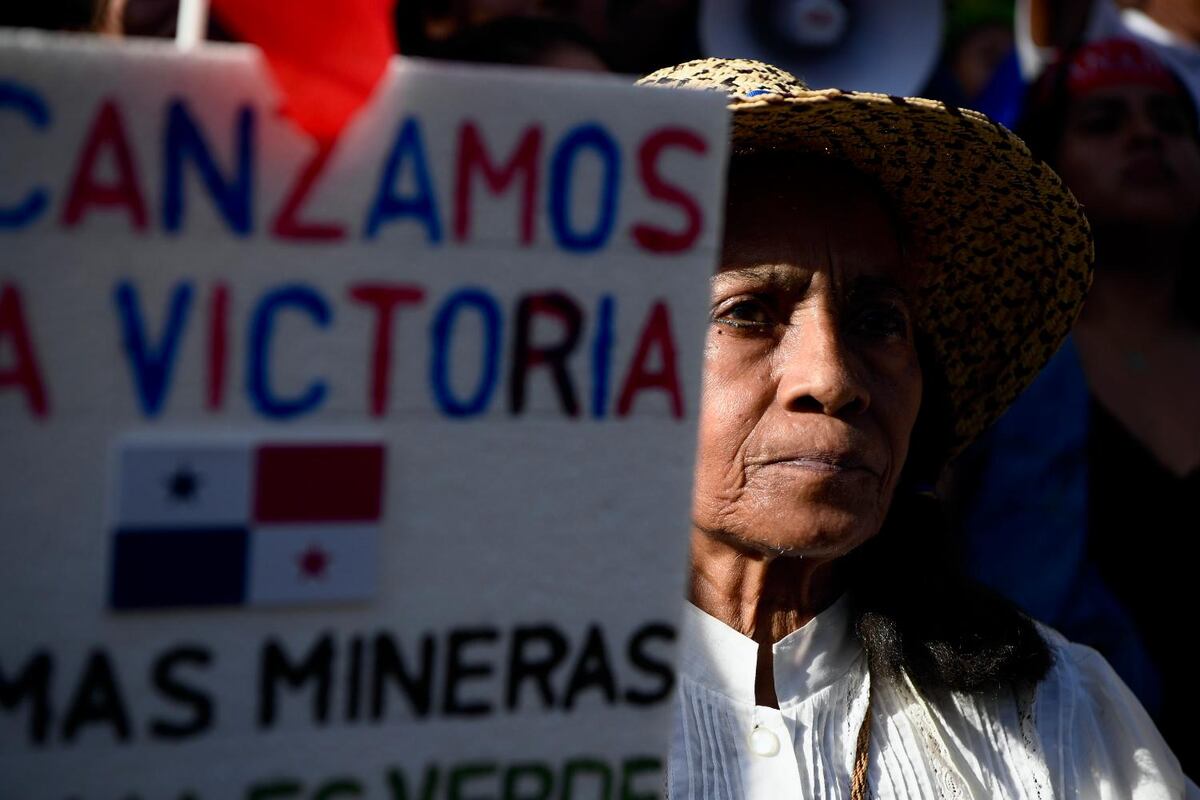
(207, 523)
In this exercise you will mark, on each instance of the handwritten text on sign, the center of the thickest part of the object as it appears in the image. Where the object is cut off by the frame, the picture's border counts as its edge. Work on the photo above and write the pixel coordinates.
(540, 175)
(359, 473)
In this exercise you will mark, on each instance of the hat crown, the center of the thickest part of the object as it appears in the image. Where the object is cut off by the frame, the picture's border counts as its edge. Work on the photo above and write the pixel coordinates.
(1005, 252)
(739, 78)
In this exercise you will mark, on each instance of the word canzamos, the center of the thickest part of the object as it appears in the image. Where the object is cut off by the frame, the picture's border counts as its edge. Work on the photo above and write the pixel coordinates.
(461, 673)
(536, 165)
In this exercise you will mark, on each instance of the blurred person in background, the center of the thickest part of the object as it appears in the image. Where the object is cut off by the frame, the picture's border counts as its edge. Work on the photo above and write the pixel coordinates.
(979, 68)
(630, 36)
(491, 31)
(525, 40)
(97, 16)
(645, 35)
(157, 19)
(422, 26)
(1046, 28)
(1083, 503)
(978, 41)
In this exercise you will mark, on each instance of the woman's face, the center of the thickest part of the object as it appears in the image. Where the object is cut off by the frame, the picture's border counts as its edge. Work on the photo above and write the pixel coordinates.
(812, 383)
(1129, 155)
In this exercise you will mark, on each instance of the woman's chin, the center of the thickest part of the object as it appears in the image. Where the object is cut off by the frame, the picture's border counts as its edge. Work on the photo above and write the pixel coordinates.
(815, 533)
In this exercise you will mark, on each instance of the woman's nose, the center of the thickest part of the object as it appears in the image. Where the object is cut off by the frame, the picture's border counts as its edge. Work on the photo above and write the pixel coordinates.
(1143, 130)
(819, 371)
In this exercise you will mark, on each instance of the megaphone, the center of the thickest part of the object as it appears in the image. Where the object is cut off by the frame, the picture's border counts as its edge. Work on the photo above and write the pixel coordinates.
(865, 45)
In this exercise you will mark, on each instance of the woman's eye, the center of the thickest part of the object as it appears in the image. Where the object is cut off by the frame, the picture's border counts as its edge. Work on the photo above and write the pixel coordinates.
(1100, 124)
(1170, 119)
(748, 313)
(884, 320)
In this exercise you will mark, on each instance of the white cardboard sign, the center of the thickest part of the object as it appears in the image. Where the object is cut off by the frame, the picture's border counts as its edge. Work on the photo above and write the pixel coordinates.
(356, 474)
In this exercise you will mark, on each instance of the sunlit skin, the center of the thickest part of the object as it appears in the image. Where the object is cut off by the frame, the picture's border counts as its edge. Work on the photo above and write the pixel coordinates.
(812, 387)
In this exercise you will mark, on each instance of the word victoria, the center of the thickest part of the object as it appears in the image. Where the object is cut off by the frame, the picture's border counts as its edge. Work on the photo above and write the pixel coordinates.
(464, 318)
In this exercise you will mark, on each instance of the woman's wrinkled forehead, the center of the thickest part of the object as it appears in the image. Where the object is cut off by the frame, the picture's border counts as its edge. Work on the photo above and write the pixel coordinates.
(801, 209)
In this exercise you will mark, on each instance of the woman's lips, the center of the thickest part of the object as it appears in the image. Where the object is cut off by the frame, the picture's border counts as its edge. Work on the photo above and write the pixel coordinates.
(1147, 170)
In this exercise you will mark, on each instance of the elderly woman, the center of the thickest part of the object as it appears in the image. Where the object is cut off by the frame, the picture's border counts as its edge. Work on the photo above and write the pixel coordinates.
(894, 272)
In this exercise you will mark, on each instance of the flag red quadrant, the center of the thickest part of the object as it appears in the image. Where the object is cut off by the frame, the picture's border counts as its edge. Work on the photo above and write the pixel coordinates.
(317, 483)
(245, 523)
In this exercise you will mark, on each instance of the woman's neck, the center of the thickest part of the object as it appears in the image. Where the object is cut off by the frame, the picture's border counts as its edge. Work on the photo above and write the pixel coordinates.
(1137, 277)
(764, 597)
(1124, 303)
(1140, 350)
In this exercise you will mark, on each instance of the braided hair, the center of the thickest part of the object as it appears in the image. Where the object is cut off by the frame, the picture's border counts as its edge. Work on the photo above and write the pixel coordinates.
(915, 610)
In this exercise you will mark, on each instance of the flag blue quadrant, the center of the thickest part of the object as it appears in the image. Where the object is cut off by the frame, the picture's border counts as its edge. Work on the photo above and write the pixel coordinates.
(179, 567)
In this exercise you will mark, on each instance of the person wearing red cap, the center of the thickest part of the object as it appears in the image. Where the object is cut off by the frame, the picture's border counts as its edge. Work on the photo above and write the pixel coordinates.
(1092, 477)
(1168, 28)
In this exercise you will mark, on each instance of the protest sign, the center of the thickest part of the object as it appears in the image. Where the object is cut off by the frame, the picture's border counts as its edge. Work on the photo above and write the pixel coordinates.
(360, 472)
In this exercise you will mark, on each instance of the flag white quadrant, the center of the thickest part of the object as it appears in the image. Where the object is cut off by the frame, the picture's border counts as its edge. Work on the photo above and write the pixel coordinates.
(185, 484)
(302, 564)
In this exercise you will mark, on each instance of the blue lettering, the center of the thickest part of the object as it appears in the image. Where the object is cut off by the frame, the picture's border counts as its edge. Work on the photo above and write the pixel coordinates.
(152, 366)
(420, 205)
(262, 328)
(593, 137)
(602, 347)
(35, 110)
(443, 325)
(185, 142)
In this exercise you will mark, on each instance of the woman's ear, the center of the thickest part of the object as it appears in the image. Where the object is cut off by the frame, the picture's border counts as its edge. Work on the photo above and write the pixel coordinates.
(929, 443)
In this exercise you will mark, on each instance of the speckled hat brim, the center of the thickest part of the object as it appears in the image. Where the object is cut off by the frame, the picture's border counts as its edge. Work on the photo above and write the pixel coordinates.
(1005, 251)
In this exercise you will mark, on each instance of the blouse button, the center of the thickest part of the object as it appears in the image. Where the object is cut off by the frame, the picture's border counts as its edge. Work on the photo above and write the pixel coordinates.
(763, 742)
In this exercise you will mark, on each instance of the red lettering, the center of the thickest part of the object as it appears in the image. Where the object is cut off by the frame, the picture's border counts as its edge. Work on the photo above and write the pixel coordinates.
(218, 345)
(472, 155)
(24, 373)
(287, 226)
(87, 191)
(384, 298)
(650, 237)
(655, 334)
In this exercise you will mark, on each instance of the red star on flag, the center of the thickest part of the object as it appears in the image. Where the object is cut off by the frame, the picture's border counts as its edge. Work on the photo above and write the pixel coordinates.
(313, 562)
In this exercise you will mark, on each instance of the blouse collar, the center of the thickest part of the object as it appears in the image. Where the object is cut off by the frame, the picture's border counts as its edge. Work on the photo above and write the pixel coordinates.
(806, 660)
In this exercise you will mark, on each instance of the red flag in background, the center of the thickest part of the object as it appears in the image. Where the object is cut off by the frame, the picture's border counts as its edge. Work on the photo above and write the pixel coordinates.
(326, 55)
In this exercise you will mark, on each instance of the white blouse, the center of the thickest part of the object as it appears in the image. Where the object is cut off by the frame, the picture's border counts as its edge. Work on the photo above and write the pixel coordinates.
(1080, 733)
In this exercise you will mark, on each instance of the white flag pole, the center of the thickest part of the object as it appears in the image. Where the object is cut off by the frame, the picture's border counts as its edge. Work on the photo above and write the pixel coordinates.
(191, 23)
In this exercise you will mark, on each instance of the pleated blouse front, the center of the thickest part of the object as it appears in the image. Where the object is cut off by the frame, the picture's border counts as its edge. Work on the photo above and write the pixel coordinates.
(1078, 733)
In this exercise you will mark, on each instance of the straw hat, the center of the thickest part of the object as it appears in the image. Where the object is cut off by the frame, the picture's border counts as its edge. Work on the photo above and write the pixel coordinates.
(1006, 250)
